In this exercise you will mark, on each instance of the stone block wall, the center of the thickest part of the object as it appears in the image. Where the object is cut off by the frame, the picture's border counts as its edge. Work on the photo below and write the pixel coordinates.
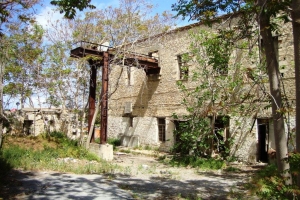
(158, 96)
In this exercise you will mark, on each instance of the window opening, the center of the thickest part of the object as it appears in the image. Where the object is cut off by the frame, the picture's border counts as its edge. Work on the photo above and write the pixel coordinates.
(183, 68)
(130, 121)
(162, 129)
(221, 133)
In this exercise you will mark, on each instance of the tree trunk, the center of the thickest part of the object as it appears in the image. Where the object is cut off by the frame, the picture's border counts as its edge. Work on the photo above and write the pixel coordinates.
(1, 101)
(274, 81)
(89, 139)
(296, 34)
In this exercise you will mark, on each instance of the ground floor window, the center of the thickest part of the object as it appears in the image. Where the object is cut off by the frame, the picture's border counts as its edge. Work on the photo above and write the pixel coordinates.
(162, 129)
(220, 130)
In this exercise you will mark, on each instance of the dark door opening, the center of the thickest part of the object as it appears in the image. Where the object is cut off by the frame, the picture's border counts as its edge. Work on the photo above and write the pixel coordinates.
(263, 133)
(27, 127)
(221, 133)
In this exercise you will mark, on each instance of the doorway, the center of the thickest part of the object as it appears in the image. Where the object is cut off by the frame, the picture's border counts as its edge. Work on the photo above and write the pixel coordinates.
(263, 140)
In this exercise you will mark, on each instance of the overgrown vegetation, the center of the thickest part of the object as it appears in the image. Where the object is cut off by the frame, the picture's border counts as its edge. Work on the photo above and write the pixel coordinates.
(202, 163)
(210, 94)
(52, 151)
(269, 183)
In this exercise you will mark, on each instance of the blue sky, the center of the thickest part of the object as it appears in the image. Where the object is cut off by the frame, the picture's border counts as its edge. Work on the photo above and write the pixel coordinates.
(45, 12)
(160, 6)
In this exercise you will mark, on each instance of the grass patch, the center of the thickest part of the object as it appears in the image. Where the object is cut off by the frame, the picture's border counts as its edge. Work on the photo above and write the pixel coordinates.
(49, 152)
(232, 169)
(203, 163)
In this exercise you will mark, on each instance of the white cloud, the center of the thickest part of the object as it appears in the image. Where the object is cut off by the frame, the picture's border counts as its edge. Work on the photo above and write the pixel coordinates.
(46, 14)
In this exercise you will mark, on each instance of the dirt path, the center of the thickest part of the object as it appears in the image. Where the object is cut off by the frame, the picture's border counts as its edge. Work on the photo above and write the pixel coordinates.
(147, 178)
(139, 177)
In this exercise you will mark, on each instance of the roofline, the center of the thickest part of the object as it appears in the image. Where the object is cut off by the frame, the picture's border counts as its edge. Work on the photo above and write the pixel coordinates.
(187, 27)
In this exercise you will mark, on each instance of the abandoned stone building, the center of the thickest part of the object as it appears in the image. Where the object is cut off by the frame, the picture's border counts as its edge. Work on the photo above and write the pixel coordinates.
(34, 121)
(141, 108)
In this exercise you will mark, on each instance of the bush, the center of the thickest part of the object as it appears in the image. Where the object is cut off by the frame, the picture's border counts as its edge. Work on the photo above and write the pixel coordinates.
(115, 142)
(203, 163)
(268, 183)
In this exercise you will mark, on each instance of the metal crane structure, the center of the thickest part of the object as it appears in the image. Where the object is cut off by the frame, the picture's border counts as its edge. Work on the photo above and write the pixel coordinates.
(102, 56)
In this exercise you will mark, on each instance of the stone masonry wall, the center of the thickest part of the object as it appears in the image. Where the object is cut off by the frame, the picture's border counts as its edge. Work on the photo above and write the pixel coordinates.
(158, 96)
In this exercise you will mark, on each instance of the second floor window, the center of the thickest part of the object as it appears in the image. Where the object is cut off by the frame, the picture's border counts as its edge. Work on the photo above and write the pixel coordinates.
(183, 68)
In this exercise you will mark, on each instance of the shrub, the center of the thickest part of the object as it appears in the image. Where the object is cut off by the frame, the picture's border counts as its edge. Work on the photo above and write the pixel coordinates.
(115, 142)
(268, 183)
(203, 163)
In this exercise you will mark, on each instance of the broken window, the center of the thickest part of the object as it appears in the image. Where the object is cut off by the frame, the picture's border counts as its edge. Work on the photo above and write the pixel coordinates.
(130, 121)
(183, 67)
(162, 129)
(220, 127)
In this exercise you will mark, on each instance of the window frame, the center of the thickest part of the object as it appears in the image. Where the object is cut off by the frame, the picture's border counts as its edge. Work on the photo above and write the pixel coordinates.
(161, 124)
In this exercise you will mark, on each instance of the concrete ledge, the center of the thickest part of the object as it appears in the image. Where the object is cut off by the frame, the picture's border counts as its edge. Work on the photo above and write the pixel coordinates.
(104, 151)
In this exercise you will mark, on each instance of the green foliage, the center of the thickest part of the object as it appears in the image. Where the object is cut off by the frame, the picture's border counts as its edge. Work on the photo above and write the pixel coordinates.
(205, 10)
(268, 183)
(215, 92)
(192, 161)
(294, 160)
(69, 6)
(14, 156)
(15, 8)
(21, 53)
(193, 137)
(114, 141)
(66, 147)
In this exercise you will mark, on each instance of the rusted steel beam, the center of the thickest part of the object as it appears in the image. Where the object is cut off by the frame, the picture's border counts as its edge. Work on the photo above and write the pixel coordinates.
(104, 99)
(92, 96)
(101, 57)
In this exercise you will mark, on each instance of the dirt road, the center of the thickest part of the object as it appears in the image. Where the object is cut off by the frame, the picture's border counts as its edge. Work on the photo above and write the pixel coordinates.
(141, 177)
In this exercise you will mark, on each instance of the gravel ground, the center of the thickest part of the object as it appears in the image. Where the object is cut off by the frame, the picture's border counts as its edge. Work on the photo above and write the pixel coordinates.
(142, 177)
(151, 179)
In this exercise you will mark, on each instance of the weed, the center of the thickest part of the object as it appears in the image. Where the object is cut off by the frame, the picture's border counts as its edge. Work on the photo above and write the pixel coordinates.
(115, 142)
(148, 147)
(203, 163)
(235, 194)
(49, 156)
(232, 169)
(125, 151)
(269, 184)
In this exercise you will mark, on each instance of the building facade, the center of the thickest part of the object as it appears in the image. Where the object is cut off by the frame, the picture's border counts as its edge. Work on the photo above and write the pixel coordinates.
(141, 106)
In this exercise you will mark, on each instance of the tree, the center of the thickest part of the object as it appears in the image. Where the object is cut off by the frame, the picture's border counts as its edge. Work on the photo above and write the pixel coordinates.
(69, 6)
(24, 64)
(66, 78)
(15, 11)
(11, 13)
(264, 10)
(219, 84)
(296, 34)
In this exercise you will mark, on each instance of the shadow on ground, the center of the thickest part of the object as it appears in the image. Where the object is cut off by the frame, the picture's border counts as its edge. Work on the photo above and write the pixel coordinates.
(47, 185)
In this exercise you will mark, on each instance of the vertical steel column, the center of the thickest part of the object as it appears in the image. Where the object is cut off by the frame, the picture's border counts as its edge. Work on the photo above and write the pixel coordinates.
(104, 99)
(92, 96)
